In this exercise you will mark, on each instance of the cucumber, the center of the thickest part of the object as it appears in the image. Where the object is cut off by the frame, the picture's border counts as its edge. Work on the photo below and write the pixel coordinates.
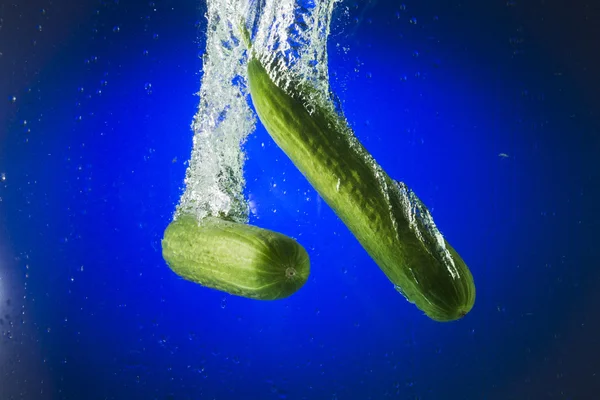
(387, 218)
(236, 258)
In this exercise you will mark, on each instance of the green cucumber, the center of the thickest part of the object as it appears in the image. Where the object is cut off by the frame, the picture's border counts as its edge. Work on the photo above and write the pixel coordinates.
(390, 222)
(236, 258)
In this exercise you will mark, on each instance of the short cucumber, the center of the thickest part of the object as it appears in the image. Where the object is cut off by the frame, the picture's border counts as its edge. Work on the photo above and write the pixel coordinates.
(236, 258)
(386, 218)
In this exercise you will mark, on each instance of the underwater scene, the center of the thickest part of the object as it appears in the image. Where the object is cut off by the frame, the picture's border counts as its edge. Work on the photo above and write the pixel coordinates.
(299, 200)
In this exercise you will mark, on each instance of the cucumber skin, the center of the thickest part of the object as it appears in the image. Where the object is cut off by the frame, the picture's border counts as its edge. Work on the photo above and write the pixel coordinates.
(337, 166)
(236, 258)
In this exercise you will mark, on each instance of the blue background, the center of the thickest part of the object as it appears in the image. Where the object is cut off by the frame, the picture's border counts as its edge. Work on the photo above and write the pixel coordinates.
(93, 151)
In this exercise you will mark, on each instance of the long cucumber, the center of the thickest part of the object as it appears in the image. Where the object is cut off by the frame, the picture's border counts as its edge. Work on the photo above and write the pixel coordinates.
(236, 258)
(387, 218)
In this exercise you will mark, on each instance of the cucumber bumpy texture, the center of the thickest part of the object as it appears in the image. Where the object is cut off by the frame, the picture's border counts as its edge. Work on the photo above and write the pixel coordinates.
(236, 258)
(421, 265)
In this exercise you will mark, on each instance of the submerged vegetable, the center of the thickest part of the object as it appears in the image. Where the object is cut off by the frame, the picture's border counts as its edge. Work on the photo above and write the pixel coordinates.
(387, 218)
(236, 258)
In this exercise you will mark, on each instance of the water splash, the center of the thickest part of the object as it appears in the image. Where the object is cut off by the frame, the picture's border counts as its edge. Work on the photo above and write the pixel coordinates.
(290, 40)
(214, 181)
(290, 36)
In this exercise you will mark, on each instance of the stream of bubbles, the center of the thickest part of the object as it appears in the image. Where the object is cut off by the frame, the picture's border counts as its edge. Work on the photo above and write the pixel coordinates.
(289, 34)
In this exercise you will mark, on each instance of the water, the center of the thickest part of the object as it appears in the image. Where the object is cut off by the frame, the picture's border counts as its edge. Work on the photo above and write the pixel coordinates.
(214, 178)
(292, 38)
(119, 115)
